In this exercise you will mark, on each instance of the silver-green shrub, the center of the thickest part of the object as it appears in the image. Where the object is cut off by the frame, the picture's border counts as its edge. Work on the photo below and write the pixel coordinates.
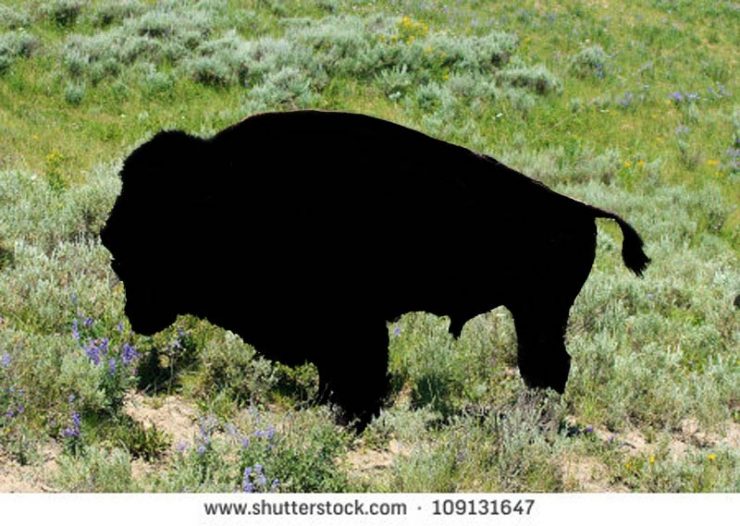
(63, 12)
(112, 12)
(535, 78)
(13, 17)
(15, 45)
(590, 61)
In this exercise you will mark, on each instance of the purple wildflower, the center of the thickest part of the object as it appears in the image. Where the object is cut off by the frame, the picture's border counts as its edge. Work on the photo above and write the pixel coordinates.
(73, 431)
(5, 360)
(128, 353)
(275, 484)
(247, 485)
(88, 322)
(396, 330)
(75, 329)
(682, 129)
(112, 366)
(589, 429)
(93, 352)
(181, 447)
(676, 96)
(245, 442)
(626, 100)
(21, 409)
(206, 426)
(120, 326)
(9, 413)
(270, 432)
(734, 155)
(201, 449)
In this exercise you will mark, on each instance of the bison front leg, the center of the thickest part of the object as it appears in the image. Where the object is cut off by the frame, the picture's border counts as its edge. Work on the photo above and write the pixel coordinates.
(542, 358)
(353, 372)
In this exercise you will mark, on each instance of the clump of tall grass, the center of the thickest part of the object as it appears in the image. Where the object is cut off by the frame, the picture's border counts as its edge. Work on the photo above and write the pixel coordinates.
(498, 452)
(97, 470)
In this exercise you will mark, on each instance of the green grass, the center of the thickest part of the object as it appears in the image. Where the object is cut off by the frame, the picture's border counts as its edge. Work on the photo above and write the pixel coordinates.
(631, 107)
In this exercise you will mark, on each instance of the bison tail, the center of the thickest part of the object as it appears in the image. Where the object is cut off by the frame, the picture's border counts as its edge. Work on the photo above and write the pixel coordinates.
(632, 254)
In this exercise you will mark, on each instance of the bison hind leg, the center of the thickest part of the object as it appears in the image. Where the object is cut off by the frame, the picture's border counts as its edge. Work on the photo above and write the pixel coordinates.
(542, 357)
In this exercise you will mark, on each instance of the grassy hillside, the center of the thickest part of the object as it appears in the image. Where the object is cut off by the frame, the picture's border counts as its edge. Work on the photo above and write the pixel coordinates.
(628, 105)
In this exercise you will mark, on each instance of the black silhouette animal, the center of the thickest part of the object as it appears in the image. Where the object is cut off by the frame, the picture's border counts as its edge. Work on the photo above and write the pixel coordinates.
(306, 232)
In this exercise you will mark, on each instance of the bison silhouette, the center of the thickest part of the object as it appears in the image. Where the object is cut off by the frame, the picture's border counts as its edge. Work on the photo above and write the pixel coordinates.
(306, 232)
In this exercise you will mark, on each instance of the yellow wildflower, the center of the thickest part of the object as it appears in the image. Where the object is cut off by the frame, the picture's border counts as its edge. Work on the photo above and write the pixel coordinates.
(651, 459)
(713, 162)
(711, 457)
(411, 29)
(627, 164)
(640, 163)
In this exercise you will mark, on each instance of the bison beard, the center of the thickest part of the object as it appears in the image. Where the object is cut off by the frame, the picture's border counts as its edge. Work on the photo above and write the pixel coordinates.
(306, 232)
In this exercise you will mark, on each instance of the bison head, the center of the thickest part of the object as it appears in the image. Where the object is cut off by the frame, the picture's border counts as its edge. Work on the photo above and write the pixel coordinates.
(147, 231)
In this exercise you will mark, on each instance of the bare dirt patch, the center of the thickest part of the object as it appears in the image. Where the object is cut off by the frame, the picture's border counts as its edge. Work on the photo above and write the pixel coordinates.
(33, 478)
(690, 438)
(170, 414)
(587, 474)
(370, 460)
(366, 464)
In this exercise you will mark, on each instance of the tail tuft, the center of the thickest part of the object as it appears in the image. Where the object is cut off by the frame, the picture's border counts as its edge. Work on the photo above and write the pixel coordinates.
(632, 254)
